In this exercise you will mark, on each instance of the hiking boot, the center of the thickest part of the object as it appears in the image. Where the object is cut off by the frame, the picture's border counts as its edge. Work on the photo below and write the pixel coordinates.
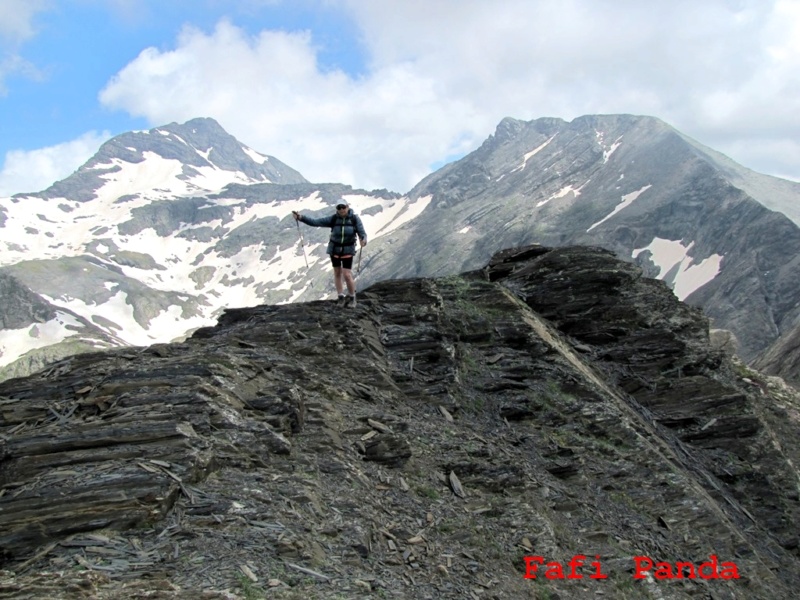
(350, 301)
(341, 300)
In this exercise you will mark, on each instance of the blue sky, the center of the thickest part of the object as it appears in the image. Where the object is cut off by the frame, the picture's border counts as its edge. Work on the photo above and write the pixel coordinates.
(377, 93)
(79, 45)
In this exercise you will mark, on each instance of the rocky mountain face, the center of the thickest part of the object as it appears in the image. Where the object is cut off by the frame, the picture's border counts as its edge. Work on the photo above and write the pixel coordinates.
(449, 437)
(153, 238)
(163, 230)
(782, 358)
(41, 321)
(687, 215)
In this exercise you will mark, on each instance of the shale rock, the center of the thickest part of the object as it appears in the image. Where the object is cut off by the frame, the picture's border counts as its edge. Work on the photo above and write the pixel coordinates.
(555, 403)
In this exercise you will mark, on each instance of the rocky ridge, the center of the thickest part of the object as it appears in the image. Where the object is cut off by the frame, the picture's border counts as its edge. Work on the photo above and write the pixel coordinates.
(163, 229)
(630, 184)
(553, 403)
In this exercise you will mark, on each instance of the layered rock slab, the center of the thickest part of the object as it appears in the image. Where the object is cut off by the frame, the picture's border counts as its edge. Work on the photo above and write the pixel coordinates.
(554, 403)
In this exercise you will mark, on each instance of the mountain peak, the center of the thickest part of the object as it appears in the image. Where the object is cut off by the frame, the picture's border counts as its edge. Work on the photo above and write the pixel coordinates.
(204, 123)
(633, 184)
(192, 157)
(154, 236)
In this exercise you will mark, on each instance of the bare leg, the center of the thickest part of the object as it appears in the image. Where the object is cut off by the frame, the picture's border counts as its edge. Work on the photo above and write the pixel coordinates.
(348, 278)
(338, 280)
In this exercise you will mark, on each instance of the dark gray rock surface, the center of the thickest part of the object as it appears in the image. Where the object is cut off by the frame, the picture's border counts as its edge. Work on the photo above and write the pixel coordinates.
(554, 403)
(782, 358)
(557, 183)
(21, 307)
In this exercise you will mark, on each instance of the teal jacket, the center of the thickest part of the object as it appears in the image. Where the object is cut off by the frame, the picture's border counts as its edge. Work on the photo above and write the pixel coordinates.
(344, 231)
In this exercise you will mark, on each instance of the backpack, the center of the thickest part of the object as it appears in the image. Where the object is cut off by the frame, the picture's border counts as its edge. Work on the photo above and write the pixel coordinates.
(344, 239)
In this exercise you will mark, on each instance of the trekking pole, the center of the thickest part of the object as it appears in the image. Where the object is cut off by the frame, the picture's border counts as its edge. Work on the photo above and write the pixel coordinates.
(360, 250)
(302, 241)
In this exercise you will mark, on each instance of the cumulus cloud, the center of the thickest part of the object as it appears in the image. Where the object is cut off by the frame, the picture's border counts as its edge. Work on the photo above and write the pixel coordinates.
(724, 71)
(36, 170)
(440, 75)
(270, 92)
(16, 26)
(16, 19)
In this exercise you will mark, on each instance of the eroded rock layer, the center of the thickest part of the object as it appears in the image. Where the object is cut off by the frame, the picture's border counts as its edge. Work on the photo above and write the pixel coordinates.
(421, 445)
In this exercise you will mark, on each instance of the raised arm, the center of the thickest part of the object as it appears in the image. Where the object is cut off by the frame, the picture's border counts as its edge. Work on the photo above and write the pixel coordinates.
(319, 222)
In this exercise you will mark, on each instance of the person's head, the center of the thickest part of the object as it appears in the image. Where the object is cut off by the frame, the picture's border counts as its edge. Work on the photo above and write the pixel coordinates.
(341, 208)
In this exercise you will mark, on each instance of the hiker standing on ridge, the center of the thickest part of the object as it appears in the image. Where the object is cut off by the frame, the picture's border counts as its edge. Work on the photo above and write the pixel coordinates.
(345, 226)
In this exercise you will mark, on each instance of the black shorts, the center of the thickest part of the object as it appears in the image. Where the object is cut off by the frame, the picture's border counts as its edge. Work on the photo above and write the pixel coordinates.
(345, 263)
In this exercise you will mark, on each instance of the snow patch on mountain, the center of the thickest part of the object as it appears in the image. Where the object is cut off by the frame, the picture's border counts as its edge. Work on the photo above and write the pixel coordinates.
(566, 190)
(214, 178)
(677, 268)
(395, 214)
(162, 177)
(255, 156)
(16, 342)
(120, 322)
(37, 228)
(533, 153)
(626, 201)
(127, 179)
(607, 150)
(526, 157)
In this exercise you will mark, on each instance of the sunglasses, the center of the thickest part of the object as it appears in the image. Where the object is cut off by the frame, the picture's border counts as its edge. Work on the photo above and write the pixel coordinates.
(340, 206)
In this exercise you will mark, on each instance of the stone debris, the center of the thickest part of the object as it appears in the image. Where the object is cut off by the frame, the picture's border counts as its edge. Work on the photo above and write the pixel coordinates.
(446, 414)
(455, 485)
(555, 403)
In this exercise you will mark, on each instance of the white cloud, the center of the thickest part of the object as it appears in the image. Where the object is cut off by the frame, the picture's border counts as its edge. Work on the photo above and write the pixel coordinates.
(268, 90)
(16, 26)
(705, 67)
(441, 74)
(14, 63)
(36, 170)
(16, 19)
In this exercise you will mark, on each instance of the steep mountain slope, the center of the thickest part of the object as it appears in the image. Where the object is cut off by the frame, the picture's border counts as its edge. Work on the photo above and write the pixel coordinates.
(631, 184)
(156, 235)
(28, 322)
(776, 194)
(164, 229)
(554, 404)
(782, 358)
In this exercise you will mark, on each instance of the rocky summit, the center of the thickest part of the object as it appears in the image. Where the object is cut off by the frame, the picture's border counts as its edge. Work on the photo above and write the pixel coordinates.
(553, 425)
